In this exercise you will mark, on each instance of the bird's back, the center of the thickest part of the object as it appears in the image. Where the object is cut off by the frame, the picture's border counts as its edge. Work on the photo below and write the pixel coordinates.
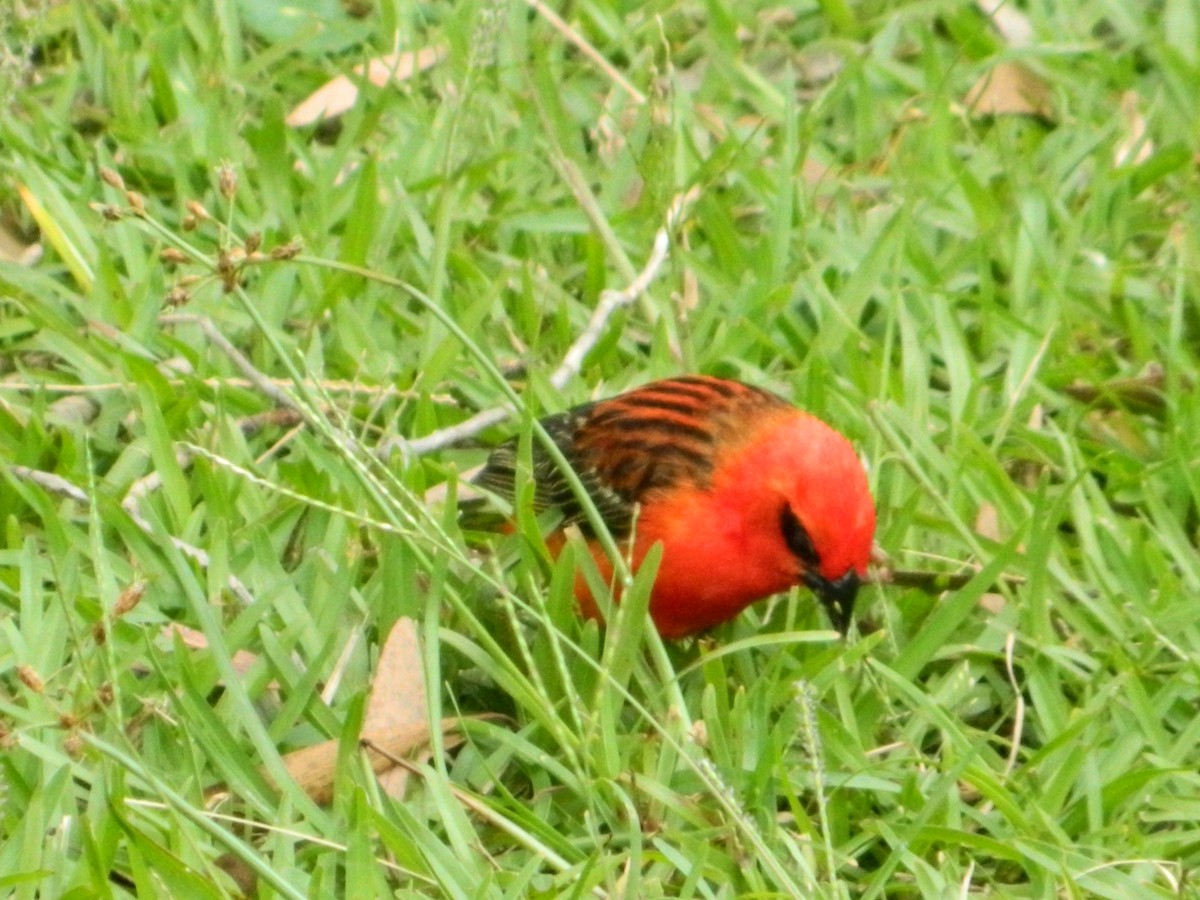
(631, 447)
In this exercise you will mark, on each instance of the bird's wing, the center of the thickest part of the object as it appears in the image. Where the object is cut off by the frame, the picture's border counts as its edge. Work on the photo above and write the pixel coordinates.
(628, 448)
(634, 447)
(552, 490)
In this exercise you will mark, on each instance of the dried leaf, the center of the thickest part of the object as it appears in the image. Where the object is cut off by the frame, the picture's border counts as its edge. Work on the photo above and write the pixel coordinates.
(54, 231)
(464, 490)
(240, 872)
(1014, 26)
(1118, 428)
(1010, 88)
(689, 297)
(987, 522)
(815, 172)
(398, 699)
(340, 94)
(396, 722)
(1134, 147)
(1142, 393)
(398, 694)
(1037, 418)
(15, 250)
(992, 603)
(393, 781)
(31, 679)
(313, 767)
(817, 65)
(73, 409)
(243, 660)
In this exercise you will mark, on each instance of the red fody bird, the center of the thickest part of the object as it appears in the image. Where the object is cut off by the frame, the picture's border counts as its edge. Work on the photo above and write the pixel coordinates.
(748, 496)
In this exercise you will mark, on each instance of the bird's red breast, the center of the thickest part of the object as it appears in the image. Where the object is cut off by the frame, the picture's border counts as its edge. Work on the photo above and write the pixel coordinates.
(748, 495)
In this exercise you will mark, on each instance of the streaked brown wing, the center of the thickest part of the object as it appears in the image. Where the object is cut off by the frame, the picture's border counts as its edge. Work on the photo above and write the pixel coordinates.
(626, 448)
(551, 488)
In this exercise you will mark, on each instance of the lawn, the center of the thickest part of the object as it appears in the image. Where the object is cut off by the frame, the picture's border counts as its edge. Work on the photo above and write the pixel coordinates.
(274, 274)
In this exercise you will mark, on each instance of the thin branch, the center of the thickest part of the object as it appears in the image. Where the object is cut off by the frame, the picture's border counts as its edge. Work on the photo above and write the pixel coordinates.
(590, 206)
(937, 582)
(1141, 393)
(272, 418)
(447, 437)
(586, 48)
(222, 343)
(56, 484)
(1014, 748)
(335, 386)
(145, 485)
(610, 302)
(148, 483)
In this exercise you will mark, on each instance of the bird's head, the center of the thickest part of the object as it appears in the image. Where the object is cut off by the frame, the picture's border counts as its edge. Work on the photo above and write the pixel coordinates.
(825, 514)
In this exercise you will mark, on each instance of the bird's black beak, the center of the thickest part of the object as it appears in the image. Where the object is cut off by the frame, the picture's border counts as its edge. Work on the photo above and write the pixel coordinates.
(836, 596)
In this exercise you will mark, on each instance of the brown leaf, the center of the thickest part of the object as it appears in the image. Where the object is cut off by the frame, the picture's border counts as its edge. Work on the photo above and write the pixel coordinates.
(689, 296)
(398, 699)
(313, 767)
(15, 250)
(395, 726)
(814, 172)
(73, 409)
(128, 599)
(397, 721)
(1142, 393)
(243, 660)
(1118, 428)
(992, 603)
(1134, 147)
(242, 875)
(1010, 88)
(1037, 418)
(1014, 26)
(31, 679)
(340, 94)
(987, 522)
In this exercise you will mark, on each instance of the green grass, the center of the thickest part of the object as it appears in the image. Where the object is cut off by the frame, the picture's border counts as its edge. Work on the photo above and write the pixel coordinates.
(967, 298)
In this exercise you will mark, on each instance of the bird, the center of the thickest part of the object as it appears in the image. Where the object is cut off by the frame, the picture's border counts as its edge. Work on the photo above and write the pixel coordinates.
(748, 495)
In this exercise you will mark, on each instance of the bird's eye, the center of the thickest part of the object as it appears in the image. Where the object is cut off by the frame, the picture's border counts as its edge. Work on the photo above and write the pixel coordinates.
(797, 539)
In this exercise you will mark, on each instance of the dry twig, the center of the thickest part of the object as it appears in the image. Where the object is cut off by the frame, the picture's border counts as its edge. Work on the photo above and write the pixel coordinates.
(264, 384)
(586, 48)
(333, 386)
(1141, 393)
(56, 484)
(610, 303)
(937, 582)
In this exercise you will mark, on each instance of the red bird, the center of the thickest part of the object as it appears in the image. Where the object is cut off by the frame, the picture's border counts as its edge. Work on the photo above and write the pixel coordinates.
(748, 495)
